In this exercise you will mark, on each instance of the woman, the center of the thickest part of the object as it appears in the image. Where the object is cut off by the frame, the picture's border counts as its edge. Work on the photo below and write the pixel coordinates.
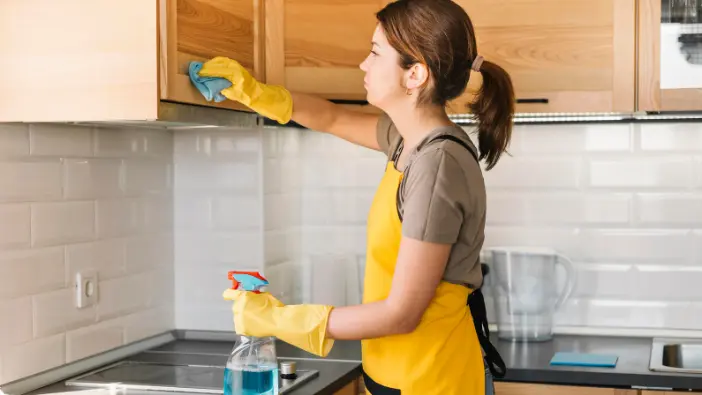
(426, 223)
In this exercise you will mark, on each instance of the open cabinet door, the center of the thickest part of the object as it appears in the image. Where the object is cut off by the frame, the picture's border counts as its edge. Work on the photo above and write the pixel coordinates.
(670, 59)
(78, 60)
(198, 30)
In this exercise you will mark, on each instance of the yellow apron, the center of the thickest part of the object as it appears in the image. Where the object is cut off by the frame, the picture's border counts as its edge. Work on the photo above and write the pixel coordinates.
(443, 354)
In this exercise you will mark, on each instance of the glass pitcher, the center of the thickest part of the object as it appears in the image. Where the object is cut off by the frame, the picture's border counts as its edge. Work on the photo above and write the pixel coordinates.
(525, 291)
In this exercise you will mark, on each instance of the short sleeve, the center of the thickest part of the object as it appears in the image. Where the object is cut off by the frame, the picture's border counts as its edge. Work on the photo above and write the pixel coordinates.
(386, 133)
(433, 198)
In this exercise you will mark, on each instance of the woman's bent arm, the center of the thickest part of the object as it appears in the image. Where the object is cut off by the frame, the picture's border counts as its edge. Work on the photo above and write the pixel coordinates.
(418, 272)
(324, 116)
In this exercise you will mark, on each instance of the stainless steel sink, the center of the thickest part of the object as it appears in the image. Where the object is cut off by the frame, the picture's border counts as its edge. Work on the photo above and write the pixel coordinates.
(676, 355)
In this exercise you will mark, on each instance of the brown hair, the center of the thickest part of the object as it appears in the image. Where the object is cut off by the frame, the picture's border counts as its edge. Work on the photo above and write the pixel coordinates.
(439, 34)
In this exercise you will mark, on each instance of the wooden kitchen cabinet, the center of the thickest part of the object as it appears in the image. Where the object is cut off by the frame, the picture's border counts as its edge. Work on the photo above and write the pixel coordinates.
(507, 388)
(104, 60)
(563, 56)
(316, 46)
(198, 30)
(669, 57)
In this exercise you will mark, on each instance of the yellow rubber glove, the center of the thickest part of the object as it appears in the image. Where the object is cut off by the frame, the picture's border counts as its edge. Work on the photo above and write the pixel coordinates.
(303, 326)
(272, 101)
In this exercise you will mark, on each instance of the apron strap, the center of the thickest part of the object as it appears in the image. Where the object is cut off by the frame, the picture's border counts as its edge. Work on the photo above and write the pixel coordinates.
(476, 301)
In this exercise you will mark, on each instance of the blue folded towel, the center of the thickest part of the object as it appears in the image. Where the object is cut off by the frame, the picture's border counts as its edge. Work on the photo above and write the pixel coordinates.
(584, 359)
(210, 87)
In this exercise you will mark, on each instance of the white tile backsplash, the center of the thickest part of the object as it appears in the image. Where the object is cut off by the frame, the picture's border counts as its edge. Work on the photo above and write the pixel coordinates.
(158, 212)
(622, 200)
(63, 210)
(218, 220)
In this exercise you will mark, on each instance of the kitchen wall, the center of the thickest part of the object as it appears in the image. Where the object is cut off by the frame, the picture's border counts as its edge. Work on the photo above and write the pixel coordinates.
(623, 201)
(218, 220)
(74, 198)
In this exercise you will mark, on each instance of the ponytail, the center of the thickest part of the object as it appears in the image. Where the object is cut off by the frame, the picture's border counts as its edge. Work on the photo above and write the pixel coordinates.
(494, 109)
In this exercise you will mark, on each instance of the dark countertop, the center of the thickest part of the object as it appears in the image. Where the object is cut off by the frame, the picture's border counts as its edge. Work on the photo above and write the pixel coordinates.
(526, 362)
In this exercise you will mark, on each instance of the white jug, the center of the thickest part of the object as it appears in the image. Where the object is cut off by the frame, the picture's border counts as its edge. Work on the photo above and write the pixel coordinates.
(525, 290)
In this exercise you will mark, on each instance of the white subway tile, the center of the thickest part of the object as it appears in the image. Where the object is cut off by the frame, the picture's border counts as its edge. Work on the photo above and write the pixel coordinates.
(15, 222)
(558, 208)
(16, 325)
(236, 213)
(272, 176)
(236, 248)
(34, 357)
(662, 282)
(670, 136)
(28, 181)
(522, 172)
(209, 318)
(56, 312)
(156, 213)
(117, 142)
(217, 176)
(155, 143)
(148, 323)
(318, 208)
(14, 139)
(670, 208)
(282, 245)
(564, 239)
(29, 272)
(146, 176)
(92, 178)
(117, 217)
(641, 172)
(104, 256)
(217, 144)
(561, 139)
(291, 173)
(123, 295)
(205, 284)
(86, 342)
(614, 313)
(637, 245)
(148, 252)
(333, 240)
(192, 212)
(282, 211)
(60, 140)
(62, 222)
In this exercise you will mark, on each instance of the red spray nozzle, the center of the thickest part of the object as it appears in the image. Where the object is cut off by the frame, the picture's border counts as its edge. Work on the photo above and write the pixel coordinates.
(247, 281)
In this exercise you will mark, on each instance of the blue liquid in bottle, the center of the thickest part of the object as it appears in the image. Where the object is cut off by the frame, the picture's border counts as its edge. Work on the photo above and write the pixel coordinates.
(258, 380)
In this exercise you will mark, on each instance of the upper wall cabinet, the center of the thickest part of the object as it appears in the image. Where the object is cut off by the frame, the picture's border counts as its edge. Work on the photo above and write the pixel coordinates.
(316, 46)
(563, 56)
(670, 55)
(198, 30)
(103, 60)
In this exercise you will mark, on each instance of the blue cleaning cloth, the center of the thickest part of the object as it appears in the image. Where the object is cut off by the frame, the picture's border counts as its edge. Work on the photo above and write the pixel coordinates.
(210, 87)
(584, 359)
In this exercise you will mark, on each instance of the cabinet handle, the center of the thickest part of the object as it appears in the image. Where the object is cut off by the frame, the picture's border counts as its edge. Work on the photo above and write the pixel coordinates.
(535, 100)
(356, 102)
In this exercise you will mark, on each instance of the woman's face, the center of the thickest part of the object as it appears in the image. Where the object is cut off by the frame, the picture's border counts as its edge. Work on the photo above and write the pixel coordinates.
(384, 76)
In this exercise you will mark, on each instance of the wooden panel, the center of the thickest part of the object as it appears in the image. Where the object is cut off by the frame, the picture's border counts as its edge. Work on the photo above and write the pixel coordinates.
(505, 388)
(681, 99)
(350, 389)
(624, 50)
(329, 82)
(668, 393)
(209, 28)
(201, 30)
(329, 33)
(579, 55)
(649, 49)
(275, 41)
(79, 61)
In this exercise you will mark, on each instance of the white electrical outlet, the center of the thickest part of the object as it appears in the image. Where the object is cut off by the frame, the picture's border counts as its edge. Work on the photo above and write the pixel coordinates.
(86, 288)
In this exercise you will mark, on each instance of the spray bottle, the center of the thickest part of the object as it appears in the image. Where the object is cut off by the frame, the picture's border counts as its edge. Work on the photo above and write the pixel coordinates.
(252, 367)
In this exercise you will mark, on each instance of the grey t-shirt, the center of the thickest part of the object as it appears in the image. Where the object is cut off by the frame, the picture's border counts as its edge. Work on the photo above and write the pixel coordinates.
(442, 197)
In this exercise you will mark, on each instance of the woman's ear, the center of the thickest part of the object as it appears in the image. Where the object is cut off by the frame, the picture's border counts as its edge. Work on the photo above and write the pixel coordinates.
(416, 76)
